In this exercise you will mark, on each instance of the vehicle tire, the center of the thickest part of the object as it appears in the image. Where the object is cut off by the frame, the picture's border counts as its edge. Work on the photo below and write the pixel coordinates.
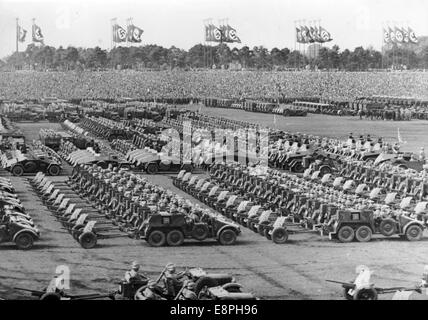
(267, 235)
(76, 231)
(261, 229)
(365, 294)
(325, 170)
(175, 238)
(297, 167)
(152, 168)
(227, 237)
(346, 234)
(204, 282)
(18, 170)
(156, 238)
(388, 227)
(279, 235)
(200, 232)
(88, 240)
(414, 233)
(50, 296)
(54, 170)
(363, 234)
(24, 241)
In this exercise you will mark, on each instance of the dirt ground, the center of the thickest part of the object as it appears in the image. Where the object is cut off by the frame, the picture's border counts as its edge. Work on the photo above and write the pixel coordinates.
(296, 270)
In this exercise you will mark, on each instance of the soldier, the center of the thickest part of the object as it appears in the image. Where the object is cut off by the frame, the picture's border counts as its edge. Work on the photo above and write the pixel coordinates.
(133, 274)
(172, 280)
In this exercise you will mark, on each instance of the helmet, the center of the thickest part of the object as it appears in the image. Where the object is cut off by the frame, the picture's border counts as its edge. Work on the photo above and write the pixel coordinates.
(190, 285)
(170, 267)
(135, 265)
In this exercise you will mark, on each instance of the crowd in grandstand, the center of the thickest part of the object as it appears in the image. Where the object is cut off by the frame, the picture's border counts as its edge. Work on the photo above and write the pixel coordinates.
(233, 85)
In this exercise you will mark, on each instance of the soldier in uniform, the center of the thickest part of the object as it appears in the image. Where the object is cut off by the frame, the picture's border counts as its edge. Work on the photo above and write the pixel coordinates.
(133, 275)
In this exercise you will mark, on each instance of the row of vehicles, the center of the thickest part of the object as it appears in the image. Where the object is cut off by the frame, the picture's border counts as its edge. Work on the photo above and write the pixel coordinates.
(16, 225)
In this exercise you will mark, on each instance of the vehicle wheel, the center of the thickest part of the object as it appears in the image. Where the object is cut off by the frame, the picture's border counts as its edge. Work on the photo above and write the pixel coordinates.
(24, 241)
(88, 240)
(414, 233)
(50, 296)
(279, 235)
(267, 235)
(152, 168)
(18, 170)
(346, 234)
(298, 167)
(363, 234)
(156, 238)
(325, 170)
(54, 170)
(76, 231)
(365, 294)
(200, 232)
(175, 238)
(387, 227)
(204, 282)
(227, 237)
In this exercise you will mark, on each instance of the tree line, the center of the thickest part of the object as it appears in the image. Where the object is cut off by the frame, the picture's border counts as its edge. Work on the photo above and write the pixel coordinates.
(220, 56)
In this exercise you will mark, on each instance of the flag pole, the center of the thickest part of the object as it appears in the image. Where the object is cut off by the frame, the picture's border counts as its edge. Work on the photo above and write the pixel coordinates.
(17, 33)
(32, 28)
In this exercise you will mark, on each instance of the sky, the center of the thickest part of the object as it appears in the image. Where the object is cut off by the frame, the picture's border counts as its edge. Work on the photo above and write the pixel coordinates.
(269, 23)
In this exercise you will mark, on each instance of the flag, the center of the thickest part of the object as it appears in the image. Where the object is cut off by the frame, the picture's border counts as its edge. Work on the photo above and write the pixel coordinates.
(386, 37)
(21, 34)
(208, 33)
(217, 34)
(412, 36)
(305, 34)
(398, 35)
(298, 36)
(405, 32)
(229, 34)
(119, 33)
(318, 34)
(391, 35)
(37, 34)
(134, 33)
(325, 35)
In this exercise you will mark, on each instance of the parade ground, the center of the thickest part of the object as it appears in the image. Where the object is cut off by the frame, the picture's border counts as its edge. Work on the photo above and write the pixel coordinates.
(296, 270)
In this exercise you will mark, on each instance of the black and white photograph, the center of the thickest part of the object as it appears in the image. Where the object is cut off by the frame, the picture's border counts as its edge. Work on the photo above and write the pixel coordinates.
(233, 151)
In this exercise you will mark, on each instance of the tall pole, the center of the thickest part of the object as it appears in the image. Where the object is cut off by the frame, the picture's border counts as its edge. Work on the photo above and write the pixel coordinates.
(17, 33)
(32, 28)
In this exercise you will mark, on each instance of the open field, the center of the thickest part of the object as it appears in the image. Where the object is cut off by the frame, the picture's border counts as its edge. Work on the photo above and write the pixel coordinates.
(414, 132)
(296, 270)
